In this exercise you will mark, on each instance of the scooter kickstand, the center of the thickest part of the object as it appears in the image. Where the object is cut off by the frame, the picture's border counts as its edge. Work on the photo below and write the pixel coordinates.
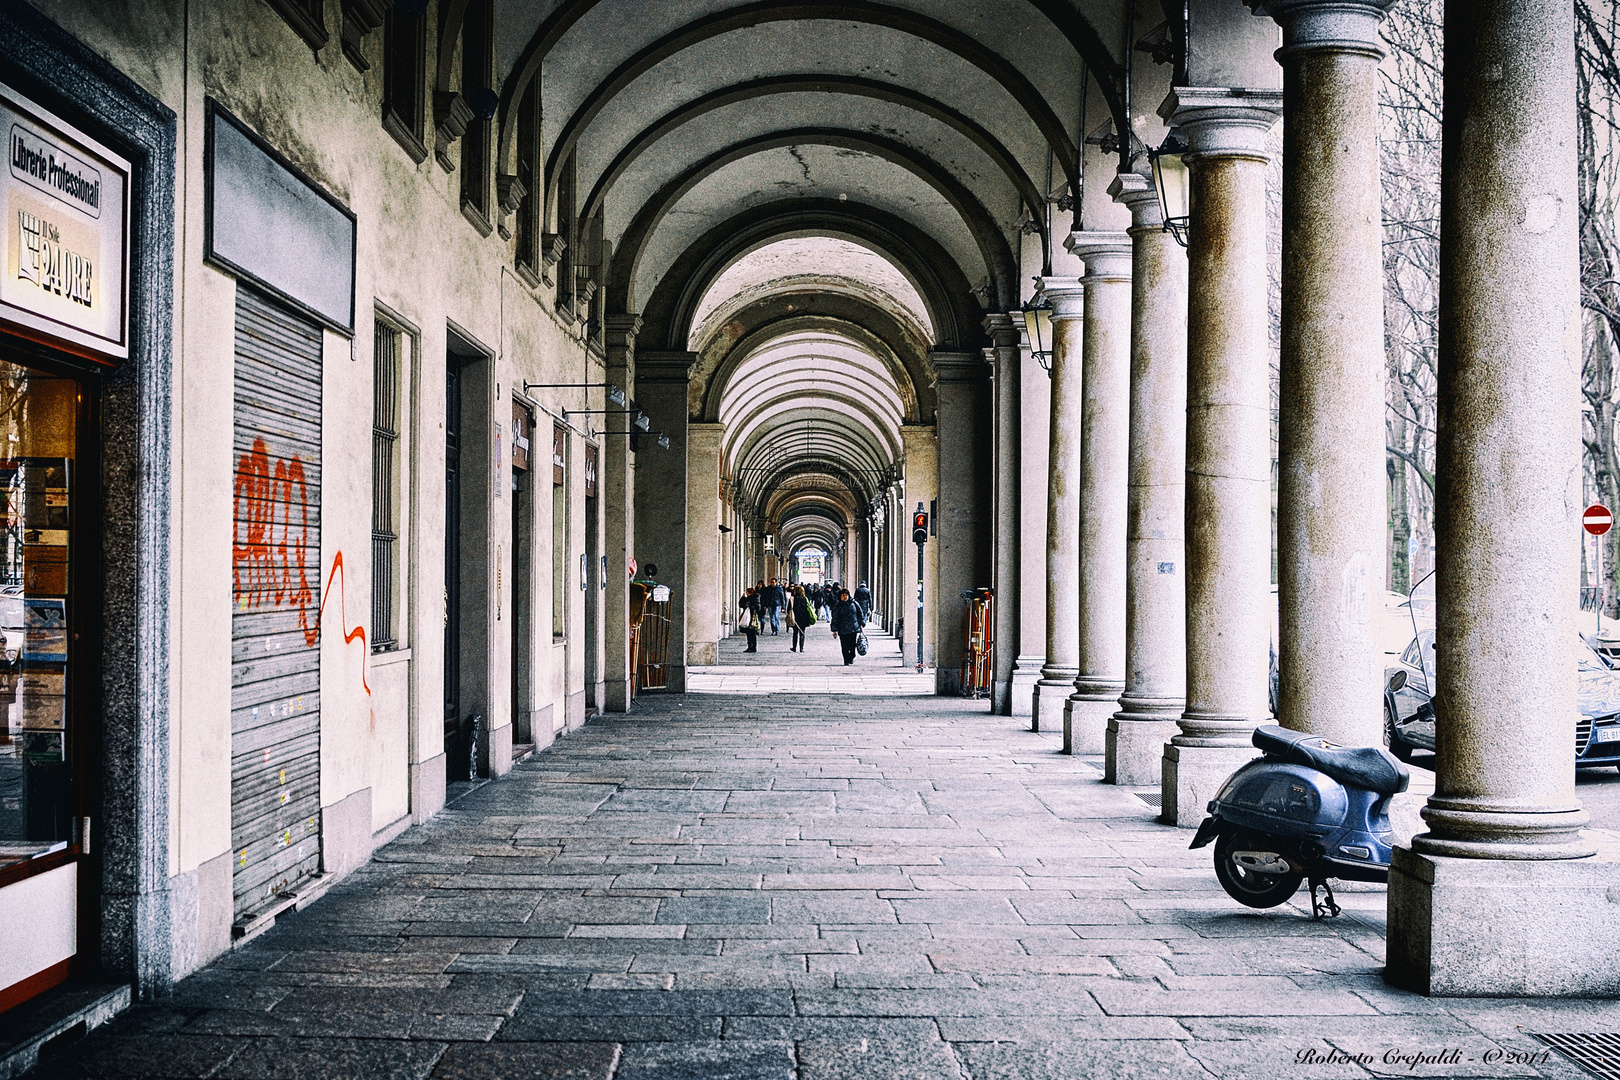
(1325, 908)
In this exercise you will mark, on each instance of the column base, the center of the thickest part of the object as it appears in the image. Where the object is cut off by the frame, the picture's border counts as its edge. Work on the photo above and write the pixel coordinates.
(1025, 677)
(1190, 777)
(1134, 748)
(1047, 704)
(1503, 928)
(702, 653)
(618, 697)
(1085, 723)
(1001, 697)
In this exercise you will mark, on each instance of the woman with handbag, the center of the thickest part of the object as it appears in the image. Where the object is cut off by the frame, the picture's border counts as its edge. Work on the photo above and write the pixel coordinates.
(800, 616)
(749, 621)
(846, 623)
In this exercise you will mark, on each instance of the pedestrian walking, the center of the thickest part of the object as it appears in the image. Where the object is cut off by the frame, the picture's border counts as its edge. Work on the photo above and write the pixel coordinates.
(800, 616)
(772, 603)
(846, 623)
(863, 597)
(748, 620)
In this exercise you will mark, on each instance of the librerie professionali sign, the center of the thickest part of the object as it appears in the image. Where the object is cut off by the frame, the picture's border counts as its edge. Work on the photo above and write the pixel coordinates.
(64, 245)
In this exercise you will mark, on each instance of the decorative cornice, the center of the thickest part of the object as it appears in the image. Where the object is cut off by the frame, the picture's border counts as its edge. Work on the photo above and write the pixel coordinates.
(958, 367)
(1141, 197)
(1314, 26)
(665, 367)
(1002, 329)
(1107, 255)
(1067, 296)
(1223, 122)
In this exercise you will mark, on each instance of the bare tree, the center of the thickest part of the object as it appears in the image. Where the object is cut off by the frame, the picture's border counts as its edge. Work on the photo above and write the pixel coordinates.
(1409, 144)
(1598, 91)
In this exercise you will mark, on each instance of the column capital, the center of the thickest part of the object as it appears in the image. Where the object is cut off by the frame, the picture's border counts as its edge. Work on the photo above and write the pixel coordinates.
(1002, 329)
(1326, 25)
(1067, 296)
(622, 328)
(665, 367)
(1107, 255)
(958, 367)
(1223, 121)
(1139, 195)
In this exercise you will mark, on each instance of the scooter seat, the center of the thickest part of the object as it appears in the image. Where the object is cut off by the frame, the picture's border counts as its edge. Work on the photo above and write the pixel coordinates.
(1371, 768)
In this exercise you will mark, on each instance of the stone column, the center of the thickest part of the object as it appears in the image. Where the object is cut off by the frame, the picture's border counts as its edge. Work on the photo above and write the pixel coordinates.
(1005, 359)
(1105, 422)
(1332, 487)
(618, 517)
(661, 509)
(963, 540)
(1495, 898)
(1228, 441)
(703, 572)
(1155, 551)
(1062, 666)
(1035, 392)
(921, 474)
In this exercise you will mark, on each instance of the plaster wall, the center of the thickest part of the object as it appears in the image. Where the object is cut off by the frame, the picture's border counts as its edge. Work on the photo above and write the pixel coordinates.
(419, 256)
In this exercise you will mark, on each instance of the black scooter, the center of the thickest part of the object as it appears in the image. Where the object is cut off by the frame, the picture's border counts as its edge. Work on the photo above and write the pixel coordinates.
(1308, 809)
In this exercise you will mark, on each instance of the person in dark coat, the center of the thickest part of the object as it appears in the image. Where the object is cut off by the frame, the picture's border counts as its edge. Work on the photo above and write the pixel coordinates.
(799, 617)
(863, 597)
(846, 623)
(771, 602)
(749, 619)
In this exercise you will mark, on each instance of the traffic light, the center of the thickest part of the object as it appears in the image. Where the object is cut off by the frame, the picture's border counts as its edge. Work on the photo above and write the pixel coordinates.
(919, 526)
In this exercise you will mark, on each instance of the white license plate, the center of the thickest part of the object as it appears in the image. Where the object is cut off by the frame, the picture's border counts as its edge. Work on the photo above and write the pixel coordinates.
(1608, 734)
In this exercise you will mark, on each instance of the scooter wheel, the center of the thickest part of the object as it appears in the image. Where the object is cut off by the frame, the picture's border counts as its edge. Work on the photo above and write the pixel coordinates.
(1248, 886)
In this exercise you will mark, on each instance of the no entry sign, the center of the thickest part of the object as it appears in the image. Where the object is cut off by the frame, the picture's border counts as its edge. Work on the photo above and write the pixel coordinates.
(1597, 519)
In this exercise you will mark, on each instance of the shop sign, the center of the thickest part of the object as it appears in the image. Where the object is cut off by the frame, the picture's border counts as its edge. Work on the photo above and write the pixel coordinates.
(64, 247)
(267, 221)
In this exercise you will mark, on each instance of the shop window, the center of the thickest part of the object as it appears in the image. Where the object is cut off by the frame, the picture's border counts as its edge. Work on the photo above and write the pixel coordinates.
(385, 563)
(404, 61)
(46, 671)
(477, 75)
(559, 532)
(308, 17)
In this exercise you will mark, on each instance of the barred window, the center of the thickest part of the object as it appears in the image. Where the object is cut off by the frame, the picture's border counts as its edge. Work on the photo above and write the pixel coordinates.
(384, 511)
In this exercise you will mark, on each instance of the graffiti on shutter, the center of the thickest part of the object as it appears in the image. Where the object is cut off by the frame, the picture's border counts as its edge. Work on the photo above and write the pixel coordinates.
(275, 594)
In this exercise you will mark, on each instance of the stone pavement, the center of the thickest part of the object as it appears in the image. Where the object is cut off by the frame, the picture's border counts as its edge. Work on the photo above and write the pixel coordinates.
(808, 888)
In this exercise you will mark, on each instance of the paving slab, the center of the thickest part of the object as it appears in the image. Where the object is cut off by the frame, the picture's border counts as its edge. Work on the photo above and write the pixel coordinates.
(816, 886)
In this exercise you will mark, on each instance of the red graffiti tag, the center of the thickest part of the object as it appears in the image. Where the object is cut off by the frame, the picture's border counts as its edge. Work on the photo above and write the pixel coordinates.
(271, 540)
(343, 616)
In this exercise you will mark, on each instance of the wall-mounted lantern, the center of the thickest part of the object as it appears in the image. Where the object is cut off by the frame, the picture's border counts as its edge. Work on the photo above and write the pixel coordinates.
(1173, 183)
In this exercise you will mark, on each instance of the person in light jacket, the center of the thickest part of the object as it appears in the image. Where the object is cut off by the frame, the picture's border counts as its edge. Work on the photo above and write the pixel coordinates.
(846, 623)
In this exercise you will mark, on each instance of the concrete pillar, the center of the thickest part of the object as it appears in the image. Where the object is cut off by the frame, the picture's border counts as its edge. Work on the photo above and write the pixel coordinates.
(963, 540)
(1005, 361)
(618, 518)
(661, 498)
(1332, 487)
(1228, 442)
(1062, 666)
(703, 572)
(1155, 549)
(921, 486)
(1105, 422)
(1035, 390)
(1496, 898)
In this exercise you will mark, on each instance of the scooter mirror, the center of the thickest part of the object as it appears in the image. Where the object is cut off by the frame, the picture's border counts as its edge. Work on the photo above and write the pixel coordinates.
(1397, 681)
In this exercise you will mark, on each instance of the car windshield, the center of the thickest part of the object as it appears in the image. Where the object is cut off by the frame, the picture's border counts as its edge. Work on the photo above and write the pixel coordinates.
(1592, 659)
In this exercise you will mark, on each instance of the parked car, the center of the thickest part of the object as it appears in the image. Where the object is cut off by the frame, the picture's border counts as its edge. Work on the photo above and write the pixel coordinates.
(1409, 705)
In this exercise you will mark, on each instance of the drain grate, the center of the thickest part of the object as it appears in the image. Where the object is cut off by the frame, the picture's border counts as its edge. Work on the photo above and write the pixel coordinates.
(1598, 1054)
(1154, 799)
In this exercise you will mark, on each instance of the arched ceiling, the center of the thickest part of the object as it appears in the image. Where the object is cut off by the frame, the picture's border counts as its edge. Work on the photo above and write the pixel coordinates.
(804, 265)
(959, 120)
(813, 418)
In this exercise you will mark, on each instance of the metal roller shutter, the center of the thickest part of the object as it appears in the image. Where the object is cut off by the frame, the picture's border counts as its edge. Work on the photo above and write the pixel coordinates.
(276, 581)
